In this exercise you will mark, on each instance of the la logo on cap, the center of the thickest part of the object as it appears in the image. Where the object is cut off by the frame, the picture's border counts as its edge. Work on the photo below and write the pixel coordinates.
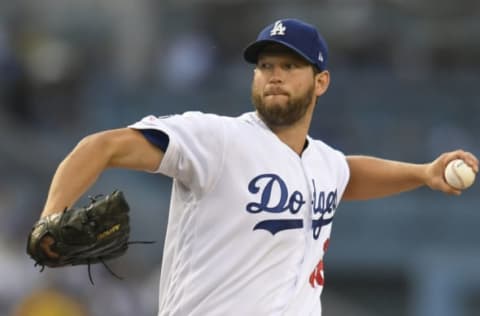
(278, 29)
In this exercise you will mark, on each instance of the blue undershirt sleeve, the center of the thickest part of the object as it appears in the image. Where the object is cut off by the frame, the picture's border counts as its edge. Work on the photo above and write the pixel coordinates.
(156, 137)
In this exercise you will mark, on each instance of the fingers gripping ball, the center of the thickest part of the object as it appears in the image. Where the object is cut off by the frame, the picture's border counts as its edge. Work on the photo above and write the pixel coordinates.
(83, 235)
(459, 175)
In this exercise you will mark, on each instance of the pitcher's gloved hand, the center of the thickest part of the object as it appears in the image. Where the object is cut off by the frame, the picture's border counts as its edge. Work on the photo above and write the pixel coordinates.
(83, 235)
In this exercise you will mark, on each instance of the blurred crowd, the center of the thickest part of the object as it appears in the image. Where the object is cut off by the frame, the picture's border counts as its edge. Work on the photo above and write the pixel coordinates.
(405, 78)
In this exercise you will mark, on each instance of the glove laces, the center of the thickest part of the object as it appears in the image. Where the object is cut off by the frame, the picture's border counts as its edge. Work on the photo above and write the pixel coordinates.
(89, 264)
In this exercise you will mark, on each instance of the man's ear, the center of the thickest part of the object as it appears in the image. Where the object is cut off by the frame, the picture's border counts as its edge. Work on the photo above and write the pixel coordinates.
(322, 81)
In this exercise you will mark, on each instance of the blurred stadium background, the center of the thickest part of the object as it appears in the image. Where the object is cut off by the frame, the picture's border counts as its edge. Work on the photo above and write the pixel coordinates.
(406, 80)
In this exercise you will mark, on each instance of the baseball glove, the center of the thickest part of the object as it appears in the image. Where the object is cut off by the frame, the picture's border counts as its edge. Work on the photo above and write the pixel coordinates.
(83, 235)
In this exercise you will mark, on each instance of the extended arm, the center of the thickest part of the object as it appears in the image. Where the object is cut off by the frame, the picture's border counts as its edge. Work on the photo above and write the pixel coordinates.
(375, 178)
(122, 148)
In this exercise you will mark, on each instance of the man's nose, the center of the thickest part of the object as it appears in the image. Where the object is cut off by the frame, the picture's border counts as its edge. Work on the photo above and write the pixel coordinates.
(277, 75)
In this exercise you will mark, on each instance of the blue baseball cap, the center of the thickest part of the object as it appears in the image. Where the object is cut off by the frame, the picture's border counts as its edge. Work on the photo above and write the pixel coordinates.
(297, 35)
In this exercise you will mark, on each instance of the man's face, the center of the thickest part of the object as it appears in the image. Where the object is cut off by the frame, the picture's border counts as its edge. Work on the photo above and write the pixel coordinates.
(283, 86)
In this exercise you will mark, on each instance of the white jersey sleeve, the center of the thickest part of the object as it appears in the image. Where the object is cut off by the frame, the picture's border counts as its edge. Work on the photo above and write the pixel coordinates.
(343, 173)
(195, 149)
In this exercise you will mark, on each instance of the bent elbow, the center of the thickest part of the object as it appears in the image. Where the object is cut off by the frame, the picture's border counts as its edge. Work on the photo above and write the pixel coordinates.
(97, 146)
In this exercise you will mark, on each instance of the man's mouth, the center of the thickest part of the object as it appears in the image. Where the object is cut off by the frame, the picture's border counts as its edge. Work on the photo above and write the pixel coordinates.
(273, 92)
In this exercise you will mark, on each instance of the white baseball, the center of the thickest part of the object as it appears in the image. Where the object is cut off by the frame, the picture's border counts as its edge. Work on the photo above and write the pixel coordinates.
(459, 175)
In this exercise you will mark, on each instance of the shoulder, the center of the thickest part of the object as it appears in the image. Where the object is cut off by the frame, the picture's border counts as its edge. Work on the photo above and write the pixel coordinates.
(325, 148)
(186, 119)
(194, 116)
(232, 123)
(328, 153)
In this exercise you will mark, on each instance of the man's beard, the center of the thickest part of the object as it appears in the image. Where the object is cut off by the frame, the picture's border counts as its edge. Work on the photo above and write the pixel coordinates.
(278, 115)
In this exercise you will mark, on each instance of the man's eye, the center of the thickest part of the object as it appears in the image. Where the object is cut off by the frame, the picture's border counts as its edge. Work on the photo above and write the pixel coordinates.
(265, 66)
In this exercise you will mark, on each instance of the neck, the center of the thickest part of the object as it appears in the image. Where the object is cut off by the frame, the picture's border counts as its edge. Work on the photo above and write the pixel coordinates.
(295, 135)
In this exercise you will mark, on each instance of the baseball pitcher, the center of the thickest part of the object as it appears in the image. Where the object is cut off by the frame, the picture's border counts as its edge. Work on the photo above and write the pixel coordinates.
(254, 196)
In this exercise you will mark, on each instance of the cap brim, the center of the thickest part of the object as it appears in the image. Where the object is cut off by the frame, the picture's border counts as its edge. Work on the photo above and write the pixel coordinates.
(250, 54)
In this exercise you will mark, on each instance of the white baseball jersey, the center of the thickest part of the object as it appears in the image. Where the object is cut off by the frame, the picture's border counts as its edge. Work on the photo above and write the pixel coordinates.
(249, 219)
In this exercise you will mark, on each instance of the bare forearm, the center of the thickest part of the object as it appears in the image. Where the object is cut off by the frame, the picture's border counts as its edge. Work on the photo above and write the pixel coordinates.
(120, 148)
(375, 178)
(77, 172)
